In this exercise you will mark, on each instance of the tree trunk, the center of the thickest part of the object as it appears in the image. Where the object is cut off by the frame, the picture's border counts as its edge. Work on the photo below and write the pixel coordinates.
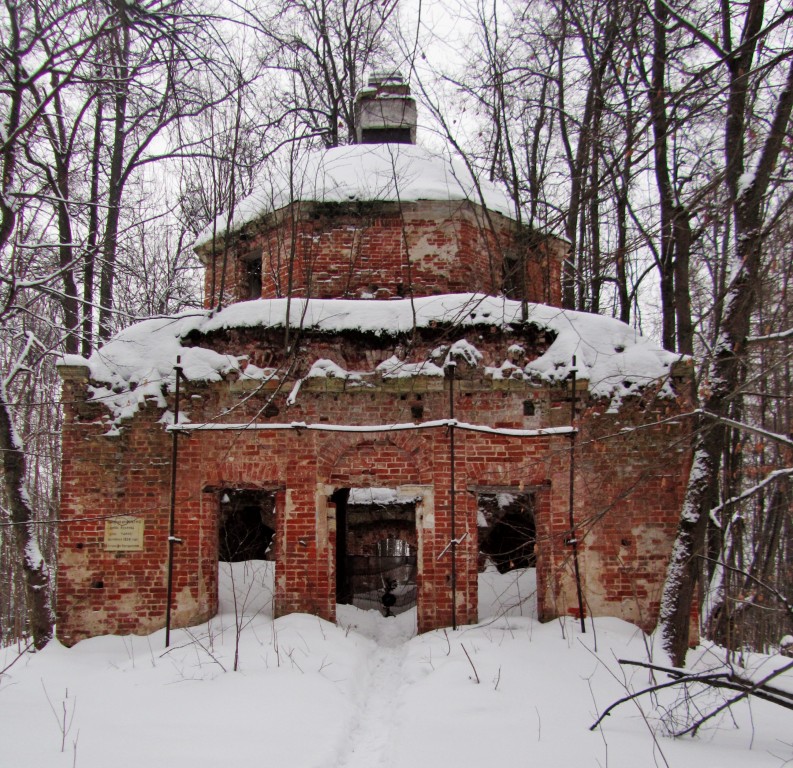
(673, 263)
(682, 234)
(685, 564)
(91, 249)
(60, 181)
(37, 579)
(115, 182)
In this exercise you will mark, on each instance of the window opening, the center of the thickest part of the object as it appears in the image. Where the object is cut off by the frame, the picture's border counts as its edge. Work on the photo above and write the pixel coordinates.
(246, 525)
(253, 274)
(507, 532)
(512, 276)
(386, 136)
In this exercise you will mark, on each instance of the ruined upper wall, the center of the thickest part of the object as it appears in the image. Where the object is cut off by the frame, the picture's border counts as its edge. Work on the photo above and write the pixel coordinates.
(139, 362)
(385, 250)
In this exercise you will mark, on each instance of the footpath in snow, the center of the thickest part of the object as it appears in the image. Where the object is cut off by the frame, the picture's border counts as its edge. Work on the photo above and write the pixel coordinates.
(372, 733)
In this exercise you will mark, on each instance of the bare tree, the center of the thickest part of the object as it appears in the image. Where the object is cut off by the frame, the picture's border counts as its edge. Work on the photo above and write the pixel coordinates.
(560, 122)
(746, 51)
(154, 57)
(629, 171)
(91, 93)
(44, 49)
(321, 50)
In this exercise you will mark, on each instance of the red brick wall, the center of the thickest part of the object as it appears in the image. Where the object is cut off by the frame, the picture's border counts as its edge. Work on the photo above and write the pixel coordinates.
(629, 491)
(627, 497)
(126, 474)
(384, 250)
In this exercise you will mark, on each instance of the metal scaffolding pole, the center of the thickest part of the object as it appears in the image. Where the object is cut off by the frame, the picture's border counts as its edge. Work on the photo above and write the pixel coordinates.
(573, 540)
(172, 540)
(450, 370)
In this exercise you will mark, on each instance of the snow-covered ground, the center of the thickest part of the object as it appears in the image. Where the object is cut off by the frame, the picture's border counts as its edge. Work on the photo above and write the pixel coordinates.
(367, 693)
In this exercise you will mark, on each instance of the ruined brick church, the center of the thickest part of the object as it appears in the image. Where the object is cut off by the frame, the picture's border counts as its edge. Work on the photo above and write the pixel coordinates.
(389, 401)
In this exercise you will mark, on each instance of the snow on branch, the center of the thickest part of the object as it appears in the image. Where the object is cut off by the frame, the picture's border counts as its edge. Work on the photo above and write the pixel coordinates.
(779, 336)
(770, 478)
(759, 431)
(19, 366)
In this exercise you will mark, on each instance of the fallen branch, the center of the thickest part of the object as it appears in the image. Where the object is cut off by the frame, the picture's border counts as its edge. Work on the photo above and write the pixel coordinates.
(750, 690)
(651, 689)
(726, 680)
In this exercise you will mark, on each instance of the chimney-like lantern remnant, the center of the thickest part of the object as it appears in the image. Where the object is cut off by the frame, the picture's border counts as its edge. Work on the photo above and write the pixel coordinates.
(385, 112)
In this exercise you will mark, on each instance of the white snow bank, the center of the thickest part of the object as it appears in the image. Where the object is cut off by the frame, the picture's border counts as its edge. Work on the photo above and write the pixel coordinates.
(366, 693)
(507, 594)
(462, 349)
(138, 363)
(394, 368)
(327, 369)
(364, 172)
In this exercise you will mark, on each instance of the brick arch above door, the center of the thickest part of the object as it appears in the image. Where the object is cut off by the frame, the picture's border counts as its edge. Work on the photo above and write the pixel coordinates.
(375, 461)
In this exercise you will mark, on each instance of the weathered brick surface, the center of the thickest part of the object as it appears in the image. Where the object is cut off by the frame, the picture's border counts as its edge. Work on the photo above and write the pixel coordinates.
(386, 250)
(627, 493)
(127, 474)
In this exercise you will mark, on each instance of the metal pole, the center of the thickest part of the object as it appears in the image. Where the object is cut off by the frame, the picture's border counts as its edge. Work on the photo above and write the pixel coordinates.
(450, 369)
(573, 536)
(172, 513)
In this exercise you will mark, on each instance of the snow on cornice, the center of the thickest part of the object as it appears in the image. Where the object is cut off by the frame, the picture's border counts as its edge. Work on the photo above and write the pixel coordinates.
(138, 363)
(363, 173)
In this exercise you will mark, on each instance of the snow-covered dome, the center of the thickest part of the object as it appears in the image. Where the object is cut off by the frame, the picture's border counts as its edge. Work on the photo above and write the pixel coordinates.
(365, 172)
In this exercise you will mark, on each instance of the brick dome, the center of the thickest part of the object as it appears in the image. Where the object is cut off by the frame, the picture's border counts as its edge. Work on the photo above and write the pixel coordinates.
(377, 221)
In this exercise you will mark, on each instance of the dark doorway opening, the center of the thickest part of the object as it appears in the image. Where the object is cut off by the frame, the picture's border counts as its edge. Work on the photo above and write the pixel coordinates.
(376, 546)
(507, 532)
(252, 275)
(246, 525)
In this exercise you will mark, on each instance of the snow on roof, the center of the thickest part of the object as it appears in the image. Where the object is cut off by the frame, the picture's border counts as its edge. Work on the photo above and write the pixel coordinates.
(139, 361)
(364, 172)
